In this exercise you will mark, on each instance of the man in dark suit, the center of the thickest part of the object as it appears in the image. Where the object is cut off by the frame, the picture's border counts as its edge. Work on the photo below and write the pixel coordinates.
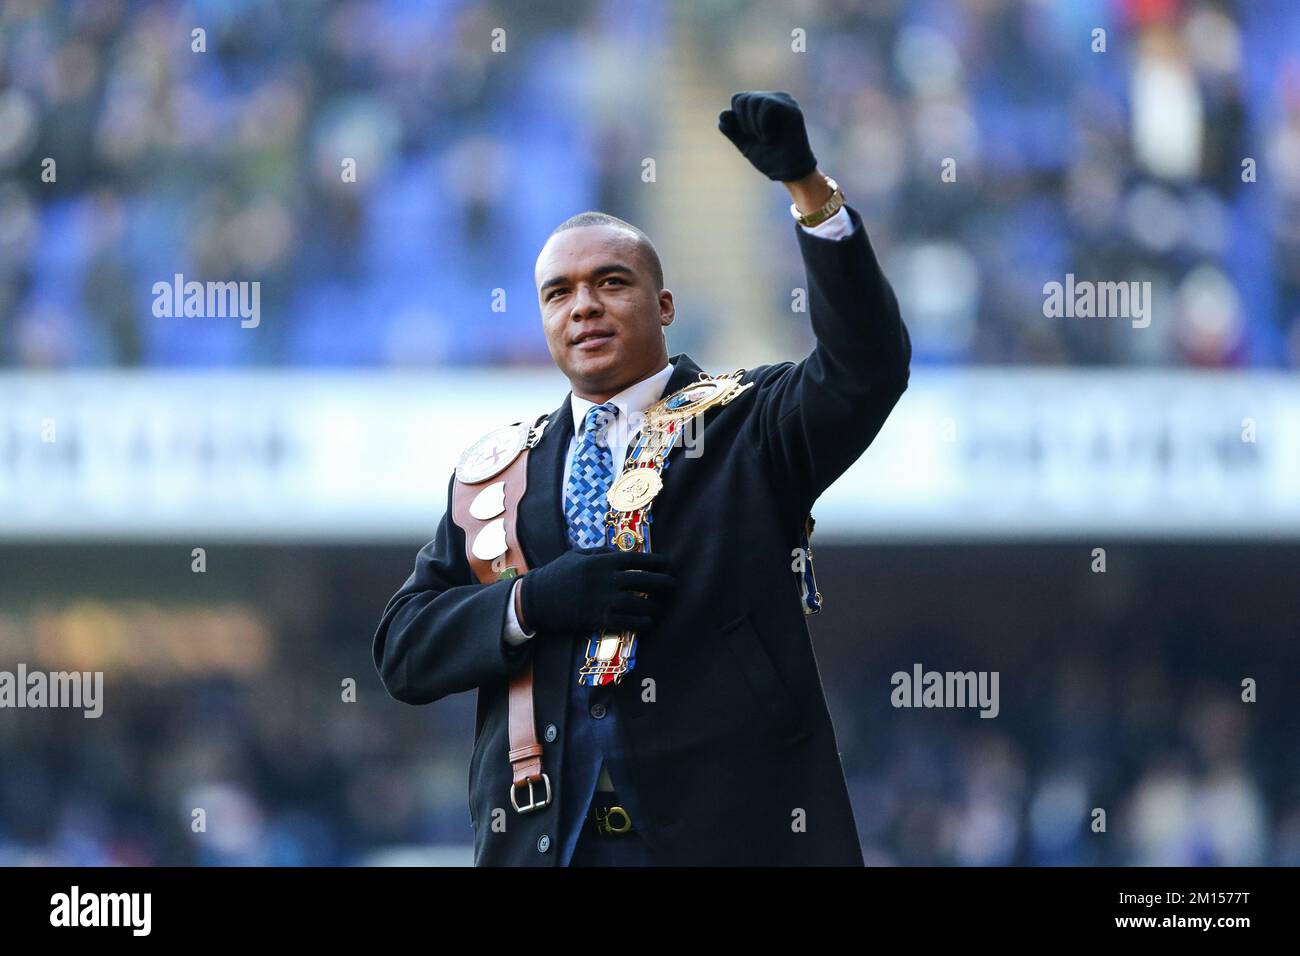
(717, 746)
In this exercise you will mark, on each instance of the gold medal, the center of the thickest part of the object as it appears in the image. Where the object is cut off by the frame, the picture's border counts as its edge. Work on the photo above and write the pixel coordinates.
(634, 489)
(628, 540)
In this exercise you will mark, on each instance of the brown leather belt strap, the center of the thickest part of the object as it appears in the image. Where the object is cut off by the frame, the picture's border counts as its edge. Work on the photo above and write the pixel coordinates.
(525, 749)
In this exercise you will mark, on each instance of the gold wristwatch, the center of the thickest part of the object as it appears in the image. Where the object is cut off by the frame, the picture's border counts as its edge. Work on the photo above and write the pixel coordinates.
(819, 216)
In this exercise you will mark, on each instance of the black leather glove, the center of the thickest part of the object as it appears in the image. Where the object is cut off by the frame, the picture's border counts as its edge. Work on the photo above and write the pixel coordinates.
(595, 588)
(767, 127)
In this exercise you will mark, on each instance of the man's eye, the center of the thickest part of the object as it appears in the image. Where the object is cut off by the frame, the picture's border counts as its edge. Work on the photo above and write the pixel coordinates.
(615, 279)
(553, 293)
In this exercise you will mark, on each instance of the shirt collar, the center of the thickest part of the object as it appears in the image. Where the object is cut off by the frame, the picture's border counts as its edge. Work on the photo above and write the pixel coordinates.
(631, 403)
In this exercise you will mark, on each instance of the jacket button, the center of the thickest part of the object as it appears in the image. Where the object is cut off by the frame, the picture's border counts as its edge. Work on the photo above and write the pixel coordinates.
(550, 733)
(543, 843)
(598, 711)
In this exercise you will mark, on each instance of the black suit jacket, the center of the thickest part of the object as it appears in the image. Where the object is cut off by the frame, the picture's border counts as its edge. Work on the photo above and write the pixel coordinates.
(725, 723)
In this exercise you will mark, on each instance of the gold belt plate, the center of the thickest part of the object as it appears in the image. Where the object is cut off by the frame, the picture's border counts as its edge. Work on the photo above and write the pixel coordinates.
(635, 489)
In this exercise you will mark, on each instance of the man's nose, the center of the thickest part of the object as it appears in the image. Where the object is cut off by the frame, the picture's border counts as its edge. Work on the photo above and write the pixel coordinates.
(585, 302)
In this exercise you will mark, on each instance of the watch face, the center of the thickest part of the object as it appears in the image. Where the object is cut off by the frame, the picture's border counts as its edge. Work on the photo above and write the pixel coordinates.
(491, 454)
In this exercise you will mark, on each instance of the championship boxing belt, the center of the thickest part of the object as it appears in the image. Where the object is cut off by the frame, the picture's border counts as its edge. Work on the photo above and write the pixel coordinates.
(611, 654)
(491, 478)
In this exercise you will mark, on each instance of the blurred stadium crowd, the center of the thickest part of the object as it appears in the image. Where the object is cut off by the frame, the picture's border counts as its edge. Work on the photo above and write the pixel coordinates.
(1123, 165)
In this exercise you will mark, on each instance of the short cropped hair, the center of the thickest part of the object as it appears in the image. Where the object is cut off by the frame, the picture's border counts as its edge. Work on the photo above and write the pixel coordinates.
(605, 219)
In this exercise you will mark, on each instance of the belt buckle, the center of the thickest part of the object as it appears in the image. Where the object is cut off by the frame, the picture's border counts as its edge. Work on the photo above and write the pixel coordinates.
(532, 800)
(604, 820)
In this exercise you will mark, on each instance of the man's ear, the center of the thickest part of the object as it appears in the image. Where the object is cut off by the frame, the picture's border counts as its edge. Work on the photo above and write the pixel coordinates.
(667, 310)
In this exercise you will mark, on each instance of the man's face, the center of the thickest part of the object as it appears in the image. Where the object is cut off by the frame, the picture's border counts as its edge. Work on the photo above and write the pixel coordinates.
(601, 310)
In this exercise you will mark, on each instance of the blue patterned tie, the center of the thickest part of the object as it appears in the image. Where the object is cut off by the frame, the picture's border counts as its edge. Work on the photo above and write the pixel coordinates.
(590, 475)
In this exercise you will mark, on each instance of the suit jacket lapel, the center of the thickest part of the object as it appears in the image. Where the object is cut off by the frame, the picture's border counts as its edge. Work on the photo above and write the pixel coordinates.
(541, 530)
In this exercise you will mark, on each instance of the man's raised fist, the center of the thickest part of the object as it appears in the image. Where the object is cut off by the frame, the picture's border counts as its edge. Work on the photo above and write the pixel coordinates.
(767, 127)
